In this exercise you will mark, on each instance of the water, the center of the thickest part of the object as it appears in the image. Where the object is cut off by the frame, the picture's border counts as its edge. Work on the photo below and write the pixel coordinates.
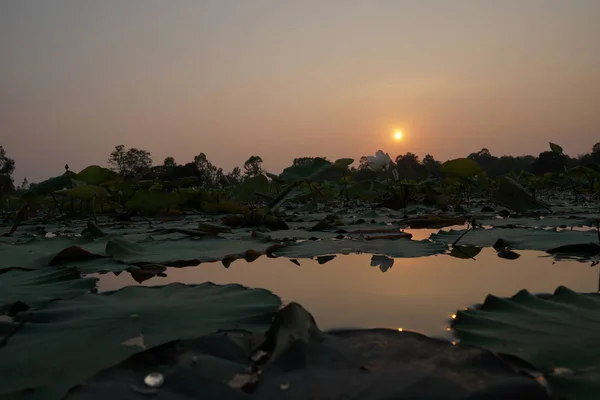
(417, 294)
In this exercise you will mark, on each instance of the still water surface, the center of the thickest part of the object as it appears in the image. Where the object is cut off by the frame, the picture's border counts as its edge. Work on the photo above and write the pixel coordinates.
(418, 294)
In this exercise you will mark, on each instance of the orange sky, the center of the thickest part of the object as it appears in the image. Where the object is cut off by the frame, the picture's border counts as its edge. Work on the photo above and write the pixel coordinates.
(285, 79)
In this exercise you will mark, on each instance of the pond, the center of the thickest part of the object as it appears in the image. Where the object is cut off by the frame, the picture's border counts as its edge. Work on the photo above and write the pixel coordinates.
(416, 294)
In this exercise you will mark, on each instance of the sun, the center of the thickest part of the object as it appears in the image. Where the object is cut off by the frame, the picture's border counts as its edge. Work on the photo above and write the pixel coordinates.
(398, 135)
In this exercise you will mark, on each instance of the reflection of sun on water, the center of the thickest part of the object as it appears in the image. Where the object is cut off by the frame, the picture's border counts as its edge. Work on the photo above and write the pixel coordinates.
(398, 135)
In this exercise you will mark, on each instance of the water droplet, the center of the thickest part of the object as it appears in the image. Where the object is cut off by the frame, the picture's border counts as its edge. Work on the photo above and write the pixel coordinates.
(155, 379)
(563, 371)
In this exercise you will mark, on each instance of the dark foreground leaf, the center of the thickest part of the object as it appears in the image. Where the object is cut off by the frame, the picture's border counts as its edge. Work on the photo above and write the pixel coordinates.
(70, 340)
(21, 290)
(298, 361)
(558, 334)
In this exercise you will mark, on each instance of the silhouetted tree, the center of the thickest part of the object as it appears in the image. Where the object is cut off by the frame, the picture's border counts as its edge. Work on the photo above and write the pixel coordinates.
(169, 162)
(253, 166)
(235, 176)
(431, 166)
(205, 170)
(131, 163)
(7, 167)
(486, 161)
(549, 162)
(408, 166)
(596, 153)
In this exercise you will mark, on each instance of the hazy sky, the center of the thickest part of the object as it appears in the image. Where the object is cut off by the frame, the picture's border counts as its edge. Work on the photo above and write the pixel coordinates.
(291, 78)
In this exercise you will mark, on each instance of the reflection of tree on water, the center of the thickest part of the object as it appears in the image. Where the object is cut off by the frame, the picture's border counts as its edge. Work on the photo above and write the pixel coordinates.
(383, 262)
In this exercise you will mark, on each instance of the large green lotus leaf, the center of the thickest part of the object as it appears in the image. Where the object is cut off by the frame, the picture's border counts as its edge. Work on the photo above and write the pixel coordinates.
(460, 168)
(343, 163)
(517, 238)
(305, 172)
(301, 362)
(35, 288)
(556, 148)
(49, 185)
(98, 176)
(546, 222)
(67, 341)
(43, 252)
(248, 188)
(85, 192)
(513, 196)
(393, 248)
(558, 334)
(183, 252)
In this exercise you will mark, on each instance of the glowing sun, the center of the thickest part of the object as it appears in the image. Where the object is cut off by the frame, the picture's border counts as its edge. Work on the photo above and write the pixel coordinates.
(398, 135)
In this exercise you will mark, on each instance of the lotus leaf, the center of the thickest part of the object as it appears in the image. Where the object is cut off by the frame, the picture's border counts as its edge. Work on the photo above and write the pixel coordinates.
(33, 289)
(517, 238)
(295, 360)
(70, 340)
(98, 176)
(460, 168)
(393, 248)
(557, 334)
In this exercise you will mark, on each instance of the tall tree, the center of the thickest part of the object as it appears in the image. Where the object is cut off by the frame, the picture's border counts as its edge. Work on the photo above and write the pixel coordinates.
(235, 176)
(206, 171)
(596, 153)
(253, 166)
(131, 163)
(169, 162)
(7, 167)
(549, 161)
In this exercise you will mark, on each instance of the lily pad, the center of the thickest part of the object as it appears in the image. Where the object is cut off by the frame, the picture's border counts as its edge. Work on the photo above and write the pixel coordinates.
(295, 360)
(394, 248)
(70, 340)
(557, 334)
(21, 290)
(518, 238)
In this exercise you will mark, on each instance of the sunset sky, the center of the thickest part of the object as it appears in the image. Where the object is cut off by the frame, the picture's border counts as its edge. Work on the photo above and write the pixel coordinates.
(292, 78)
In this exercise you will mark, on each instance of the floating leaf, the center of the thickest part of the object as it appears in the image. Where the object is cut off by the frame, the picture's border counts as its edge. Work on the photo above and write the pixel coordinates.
(394, 248)
(33, 289)
(433, 222)
(91, 332)
(551, 332)
(518, 238)
(297, 361)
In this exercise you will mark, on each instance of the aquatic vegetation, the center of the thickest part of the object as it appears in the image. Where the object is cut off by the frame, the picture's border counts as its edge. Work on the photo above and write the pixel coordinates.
(60, 337)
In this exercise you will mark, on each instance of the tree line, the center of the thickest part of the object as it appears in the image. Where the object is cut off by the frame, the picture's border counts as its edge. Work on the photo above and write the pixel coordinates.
(134, 163)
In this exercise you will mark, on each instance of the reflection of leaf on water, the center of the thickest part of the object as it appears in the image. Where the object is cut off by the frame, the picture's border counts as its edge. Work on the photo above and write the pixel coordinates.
(575, 251)
(465, 252)
(324, 259)
(508, 254)
(384, 262)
